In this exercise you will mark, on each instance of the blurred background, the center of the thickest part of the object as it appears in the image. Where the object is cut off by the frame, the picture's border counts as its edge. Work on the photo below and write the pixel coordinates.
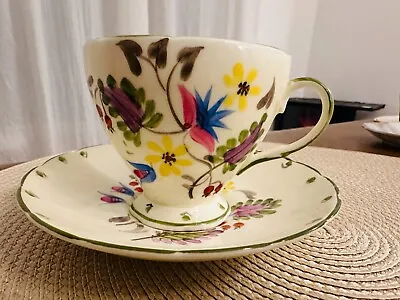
(352, 46)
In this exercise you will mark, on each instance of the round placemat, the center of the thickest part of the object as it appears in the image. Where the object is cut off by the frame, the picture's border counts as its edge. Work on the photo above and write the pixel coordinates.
(357, 255)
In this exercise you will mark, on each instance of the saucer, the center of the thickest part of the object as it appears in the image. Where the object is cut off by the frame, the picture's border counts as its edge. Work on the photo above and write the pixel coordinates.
(81, 196)
(386, 128)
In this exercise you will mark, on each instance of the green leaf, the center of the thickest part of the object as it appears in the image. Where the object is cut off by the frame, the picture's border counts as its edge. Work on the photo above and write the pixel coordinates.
(136, 139)
(83, 154)
(31, 194)
(140, 96)
(243, 135)
(131, 50)
(275, 204)
(225, 168)
(41, 173)
(311, 180)
(148, 207)
(232, 167)
(268, 211)
(111, 82)
(188, 177)
(253, 126)
(113, 112)
(122, 126)
(221, 206)
(248, 202)
(264, 117)
(105, 99)
(62, 159)
(240, 203)
(221, 151)
(149, 109)
(128, 88)
(129, 135)
(258, 216)
(217, 159)
(244, 218)
(267, 201)
(186, 218)
(326, 199)
(287, 164)
(100, 85)
(231, 143)
(259, 201)
(154, 121)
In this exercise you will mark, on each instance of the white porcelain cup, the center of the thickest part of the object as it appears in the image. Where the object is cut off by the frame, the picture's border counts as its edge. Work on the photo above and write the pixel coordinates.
(186, 113)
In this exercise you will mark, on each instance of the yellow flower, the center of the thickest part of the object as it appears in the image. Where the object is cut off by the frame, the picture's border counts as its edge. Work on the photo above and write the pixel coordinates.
(240, 86)
(168, 156)
(229, 186)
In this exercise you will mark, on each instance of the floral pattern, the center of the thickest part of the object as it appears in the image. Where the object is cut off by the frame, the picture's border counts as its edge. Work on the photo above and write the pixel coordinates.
(240, 212)
(125, 107)
(241, 86)
(200, 119)
(168, 156)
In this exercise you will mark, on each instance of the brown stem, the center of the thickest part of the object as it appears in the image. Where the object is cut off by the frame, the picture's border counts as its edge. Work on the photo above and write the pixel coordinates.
(164, 132)
(169, 98)
(155, 70)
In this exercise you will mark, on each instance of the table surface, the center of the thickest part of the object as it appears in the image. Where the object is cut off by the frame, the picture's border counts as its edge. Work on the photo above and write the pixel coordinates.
(346, 136)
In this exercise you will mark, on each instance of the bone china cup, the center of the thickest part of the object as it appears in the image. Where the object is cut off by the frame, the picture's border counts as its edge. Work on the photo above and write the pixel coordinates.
(186, 114)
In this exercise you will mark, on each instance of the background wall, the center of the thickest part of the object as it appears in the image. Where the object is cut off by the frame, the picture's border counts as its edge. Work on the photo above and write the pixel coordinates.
(355, 50)
(45, 106)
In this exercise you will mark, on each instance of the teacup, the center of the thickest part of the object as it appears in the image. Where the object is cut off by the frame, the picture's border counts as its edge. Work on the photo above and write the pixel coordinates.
(187, 113)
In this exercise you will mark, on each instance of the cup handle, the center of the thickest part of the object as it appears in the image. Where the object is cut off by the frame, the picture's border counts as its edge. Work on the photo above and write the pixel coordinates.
(326, 115)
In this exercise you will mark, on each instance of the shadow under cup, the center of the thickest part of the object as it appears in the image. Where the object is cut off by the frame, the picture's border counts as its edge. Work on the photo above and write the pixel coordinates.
(186, 114)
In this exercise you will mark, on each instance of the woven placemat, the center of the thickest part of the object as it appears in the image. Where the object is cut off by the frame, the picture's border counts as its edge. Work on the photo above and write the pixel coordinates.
(357, 255)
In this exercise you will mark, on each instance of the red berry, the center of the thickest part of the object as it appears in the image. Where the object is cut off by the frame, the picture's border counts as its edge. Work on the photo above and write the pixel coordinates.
(218, 188)
(99, 111)
(139, 189)
(133, 183)
(238, 225)
(108, 121)
(226, 227)
(208, 190)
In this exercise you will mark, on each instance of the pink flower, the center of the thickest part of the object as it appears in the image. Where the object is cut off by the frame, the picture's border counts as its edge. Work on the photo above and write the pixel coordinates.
(200, 119)
(248, 210)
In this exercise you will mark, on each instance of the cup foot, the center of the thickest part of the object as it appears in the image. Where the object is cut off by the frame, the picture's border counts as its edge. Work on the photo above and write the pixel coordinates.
(204, 216)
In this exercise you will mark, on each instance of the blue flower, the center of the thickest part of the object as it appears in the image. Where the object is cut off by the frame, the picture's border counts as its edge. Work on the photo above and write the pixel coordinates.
(202, 119)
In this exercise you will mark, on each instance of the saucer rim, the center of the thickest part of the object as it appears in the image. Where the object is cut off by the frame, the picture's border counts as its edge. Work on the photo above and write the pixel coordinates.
(366, 127)
(109, 247)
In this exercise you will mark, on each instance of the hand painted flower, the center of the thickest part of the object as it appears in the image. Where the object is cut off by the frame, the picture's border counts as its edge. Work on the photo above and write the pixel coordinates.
(236, 154)
(240, 86)
(201, 119)
(129, 110)
(168, 156)
(145, 173)
(248, 210)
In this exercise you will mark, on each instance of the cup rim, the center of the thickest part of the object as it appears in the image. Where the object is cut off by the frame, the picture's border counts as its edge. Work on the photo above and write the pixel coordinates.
(102, 39)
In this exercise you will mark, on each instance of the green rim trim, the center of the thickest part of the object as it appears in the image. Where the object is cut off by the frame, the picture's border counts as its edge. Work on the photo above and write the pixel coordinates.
(134, 211)
(106, 246)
